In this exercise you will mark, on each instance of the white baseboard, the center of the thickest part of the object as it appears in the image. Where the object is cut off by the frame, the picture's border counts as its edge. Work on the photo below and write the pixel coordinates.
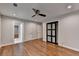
(9, 44)
(44, 40)
(75, 49)
(13, 43)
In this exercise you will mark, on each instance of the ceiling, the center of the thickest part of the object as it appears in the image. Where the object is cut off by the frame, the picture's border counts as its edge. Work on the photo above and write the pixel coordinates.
(24, 10)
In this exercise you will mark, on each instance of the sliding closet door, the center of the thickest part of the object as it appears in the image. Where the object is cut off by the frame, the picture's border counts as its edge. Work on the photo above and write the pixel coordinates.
(49, 32)
(52, 32)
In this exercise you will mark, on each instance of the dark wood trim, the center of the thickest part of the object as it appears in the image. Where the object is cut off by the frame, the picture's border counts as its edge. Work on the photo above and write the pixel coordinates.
(46, 33)
(57, 32)
(51, 33)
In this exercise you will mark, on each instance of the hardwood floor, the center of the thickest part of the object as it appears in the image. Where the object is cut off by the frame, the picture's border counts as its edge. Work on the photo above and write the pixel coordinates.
(36, 48)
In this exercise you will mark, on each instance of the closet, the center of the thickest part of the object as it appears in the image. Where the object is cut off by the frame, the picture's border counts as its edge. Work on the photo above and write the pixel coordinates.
(52, 29)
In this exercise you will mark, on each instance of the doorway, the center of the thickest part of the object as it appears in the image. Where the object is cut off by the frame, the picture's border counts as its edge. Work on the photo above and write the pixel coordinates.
(52, 29)
(18, 32)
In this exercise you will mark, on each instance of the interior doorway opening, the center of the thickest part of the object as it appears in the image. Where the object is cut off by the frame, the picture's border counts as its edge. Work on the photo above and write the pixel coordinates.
(18, 32)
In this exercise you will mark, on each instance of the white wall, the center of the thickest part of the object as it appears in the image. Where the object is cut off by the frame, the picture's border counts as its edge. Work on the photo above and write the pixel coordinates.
(39, 27)
(33, 31)
(7, 27)
(7, 30)
(44, 31)
(68, 31)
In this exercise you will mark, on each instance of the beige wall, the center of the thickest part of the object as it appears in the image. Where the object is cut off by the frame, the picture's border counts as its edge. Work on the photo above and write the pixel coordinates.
(68, 31)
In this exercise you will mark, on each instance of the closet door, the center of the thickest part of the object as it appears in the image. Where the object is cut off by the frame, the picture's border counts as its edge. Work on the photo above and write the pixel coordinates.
(49, 33)
(52, 32)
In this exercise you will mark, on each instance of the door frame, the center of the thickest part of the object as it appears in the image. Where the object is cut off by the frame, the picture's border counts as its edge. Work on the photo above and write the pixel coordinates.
(21, 32)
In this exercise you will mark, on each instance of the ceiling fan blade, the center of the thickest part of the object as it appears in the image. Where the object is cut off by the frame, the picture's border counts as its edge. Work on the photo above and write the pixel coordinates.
(34, 10)
(33, 15)
(42, 15)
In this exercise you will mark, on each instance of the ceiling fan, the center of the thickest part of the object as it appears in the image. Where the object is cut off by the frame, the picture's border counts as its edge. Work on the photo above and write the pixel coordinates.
(37, 12)
(15, 4)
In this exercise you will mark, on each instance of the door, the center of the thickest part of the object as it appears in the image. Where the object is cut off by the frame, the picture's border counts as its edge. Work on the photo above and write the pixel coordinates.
(52, 32)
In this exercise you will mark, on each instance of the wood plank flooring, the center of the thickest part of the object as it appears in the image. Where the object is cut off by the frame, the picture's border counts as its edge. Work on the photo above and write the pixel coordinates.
(36, 48)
